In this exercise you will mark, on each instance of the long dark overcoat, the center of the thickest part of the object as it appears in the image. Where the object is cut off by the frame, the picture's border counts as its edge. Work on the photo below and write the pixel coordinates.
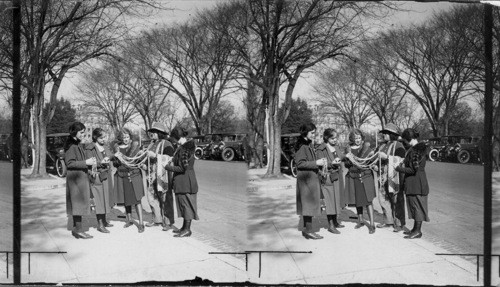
(308, 188)
(77, 181)
(415, 178)
(125, 173)
(358, 179)
(332, 184)
(100, 184)
(183, 169)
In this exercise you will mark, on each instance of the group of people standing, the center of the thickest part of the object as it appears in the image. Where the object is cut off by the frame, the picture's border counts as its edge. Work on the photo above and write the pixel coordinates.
(99, 178)
(395, 169)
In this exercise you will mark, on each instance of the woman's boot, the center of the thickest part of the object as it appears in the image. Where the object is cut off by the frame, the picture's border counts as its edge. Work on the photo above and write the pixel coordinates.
(359, 211)
(182, 228)
(336, 223)
(100, 224)
(186, 232)
(331, 224)
(105, 221)
(308, 234)
(77, 231)
(416, 233)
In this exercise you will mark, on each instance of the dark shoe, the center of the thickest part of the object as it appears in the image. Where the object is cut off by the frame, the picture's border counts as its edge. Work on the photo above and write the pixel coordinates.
(141, 228)
(151, 224)
(333, 230)
(414, 235)
(311, 235)
(128, 224)
(383, 225)
(359, 225)
(107, 224)
(338, 225)
(82, 235)
(397, 228)
(371, 229)
(184, 233)
(177, 231)
(102, 229)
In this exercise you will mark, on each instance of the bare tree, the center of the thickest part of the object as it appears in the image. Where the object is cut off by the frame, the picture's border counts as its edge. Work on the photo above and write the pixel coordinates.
(103, 93)
(292, 37)
(340, 90)
(58, 36)
(432, 62)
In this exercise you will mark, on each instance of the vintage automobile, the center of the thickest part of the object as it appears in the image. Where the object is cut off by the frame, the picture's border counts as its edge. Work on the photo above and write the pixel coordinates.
(4, 147)
(288, 153)
(455, 148)
(225, 146)
(55, 153)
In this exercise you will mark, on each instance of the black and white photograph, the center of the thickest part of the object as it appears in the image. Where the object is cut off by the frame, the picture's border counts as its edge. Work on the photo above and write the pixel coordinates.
(250, 142)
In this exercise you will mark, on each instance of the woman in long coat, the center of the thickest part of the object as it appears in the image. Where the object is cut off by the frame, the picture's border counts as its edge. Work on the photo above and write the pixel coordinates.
(128, 181)
(308, 188)
(100, 182)
(332, 182)
(359, 181)
(77, 179)
(185, 183)
(416, 187)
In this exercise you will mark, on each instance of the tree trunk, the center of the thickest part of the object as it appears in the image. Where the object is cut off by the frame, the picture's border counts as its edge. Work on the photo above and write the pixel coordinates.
(40, 128)
(274, 140)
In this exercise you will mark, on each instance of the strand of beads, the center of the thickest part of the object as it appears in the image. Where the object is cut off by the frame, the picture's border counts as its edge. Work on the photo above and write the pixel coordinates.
(366, 163)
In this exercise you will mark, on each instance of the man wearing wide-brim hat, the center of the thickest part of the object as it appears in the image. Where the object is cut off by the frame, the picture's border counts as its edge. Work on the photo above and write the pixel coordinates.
(391, 197)
(158, 180)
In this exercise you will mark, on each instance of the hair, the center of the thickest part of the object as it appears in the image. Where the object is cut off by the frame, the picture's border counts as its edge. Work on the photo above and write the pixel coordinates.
(75, 127)
(409, 134)
(306, 128)
(353, 134)
(178, 132)
(122, 132)
(393, 137)
(97, 133)
(328, 133)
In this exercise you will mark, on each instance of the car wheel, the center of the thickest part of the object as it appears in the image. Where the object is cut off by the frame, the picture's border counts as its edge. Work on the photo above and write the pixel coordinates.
(61, 168)
(293, 168)
(198, 153)
(228, 154)
(463, 156)
(433, 155)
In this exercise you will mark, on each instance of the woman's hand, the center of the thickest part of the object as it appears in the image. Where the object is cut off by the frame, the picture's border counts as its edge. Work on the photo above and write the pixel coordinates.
(105, 160)
(91, 161)
(321, 162)
(336, 161)
(151, 154)
(382, 155)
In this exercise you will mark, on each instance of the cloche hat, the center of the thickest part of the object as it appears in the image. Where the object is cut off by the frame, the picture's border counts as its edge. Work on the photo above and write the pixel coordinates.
(158, 127)
(390, 128)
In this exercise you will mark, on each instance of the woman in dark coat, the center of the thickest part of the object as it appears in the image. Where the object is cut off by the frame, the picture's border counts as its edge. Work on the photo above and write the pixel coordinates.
(129, 189)
(308, 187)
(185, 183)
(332, 182)
(359, 181)
(100, 182)
(77, 179)
(416, 187)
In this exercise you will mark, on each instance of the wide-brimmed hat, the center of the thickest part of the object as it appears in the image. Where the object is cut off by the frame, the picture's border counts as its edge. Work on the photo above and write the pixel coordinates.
(158, 127)
(390, 128)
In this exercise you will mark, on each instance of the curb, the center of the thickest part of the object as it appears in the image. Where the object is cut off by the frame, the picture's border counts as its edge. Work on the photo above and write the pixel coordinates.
(39, 188)
(254, 188)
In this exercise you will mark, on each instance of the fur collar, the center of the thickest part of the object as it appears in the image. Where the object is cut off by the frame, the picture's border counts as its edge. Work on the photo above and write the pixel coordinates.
(301, 141)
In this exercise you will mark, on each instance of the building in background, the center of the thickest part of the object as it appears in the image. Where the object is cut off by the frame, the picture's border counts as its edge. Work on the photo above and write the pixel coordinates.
(91, 119)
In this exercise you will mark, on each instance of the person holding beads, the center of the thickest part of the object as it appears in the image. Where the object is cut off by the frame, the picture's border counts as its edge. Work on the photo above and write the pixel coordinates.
(416, 187)
(77, 179)
(128, 180)
(308, 184)
(100, 182)
(332, 182)
(359, 180)
(185, 183)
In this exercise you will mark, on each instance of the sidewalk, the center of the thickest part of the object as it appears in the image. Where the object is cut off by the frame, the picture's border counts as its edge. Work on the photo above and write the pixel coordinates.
(122, 256)
(354, 256)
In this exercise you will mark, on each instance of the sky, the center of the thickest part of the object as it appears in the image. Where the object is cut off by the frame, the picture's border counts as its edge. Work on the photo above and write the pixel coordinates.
(180, 10)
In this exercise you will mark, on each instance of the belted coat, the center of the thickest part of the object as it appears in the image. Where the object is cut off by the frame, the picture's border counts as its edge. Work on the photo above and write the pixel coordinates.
(77, 179)
(333, 182)
(415, 178)
(308, 187)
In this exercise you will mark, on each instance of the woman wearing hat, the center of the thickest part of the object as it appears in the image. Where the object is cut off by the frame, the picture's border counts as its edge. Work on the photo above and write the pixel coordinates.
(159, 193)
(100, 183)
(185, 183)
(332, 182)
(77, 179)
(359, 180)
(391, 196)
(128, 180)
(416, 187)
(308, 184)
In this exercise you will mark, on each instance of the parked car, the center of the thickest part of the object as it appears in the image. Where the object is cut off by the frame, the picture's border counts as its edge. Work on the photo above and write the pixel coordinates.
(4, 147)
(455, 148)
(225, 146)
(288, 153)
(55, 153)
